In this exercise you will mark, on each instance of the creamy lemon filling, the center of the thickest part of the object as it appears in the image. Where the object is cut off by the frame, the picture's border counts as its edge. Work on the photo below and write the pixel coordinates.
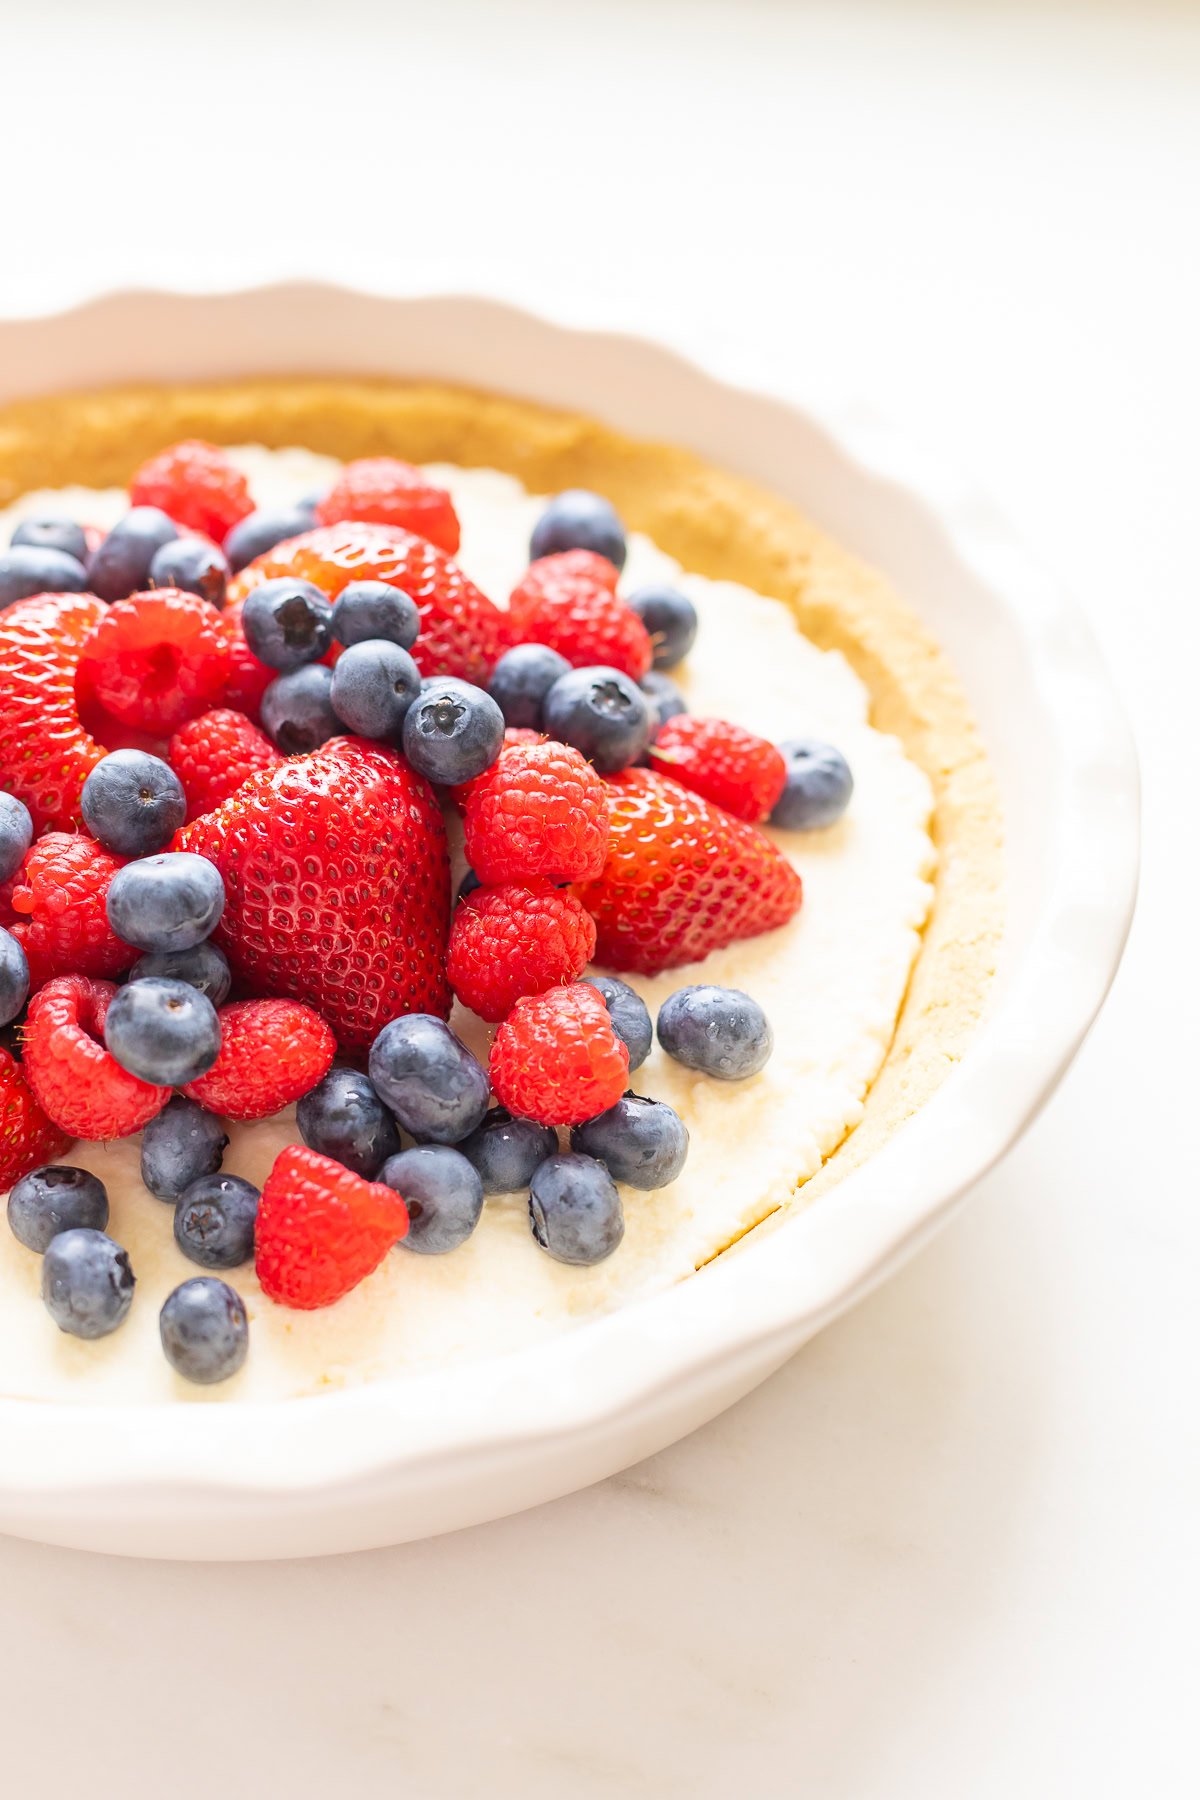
(832, 982)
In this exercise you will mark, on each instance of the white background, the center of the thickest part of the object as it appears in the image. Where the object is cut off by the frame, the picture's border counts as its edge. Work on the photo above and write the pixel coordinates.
(951, 1549)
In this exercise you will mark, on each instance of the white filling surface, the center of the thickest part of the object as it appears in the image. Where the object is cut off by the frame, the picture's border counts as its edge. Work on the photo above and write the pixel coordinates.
(831, 982)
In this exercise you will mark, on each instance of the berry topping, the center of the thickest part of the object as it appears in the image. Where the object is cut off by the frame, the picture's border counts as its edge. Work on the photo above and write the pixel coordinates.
(162, 1030)
(664, 697)
(373, 609)
(718, 1030)
(443, 1194)
(167, 902)
(670, 618)
(287, 623)
(203, 1330)
(87, 1283)
(603, 713)
(506, 1151)
(728, 765)
(45, 753)
(575, 1210)
(59, 899)
(389, 492)
(193, 566)
(260, 531)
(26, 570)
(818, 786)
(321, 1229)
(577, 519)
(203, 967)
(630, 1017)
(56, 1198)
(452, 731)
(121, 564)
(374, 684)
(16, 834)
(14, 977)
(77, 1082)
(682, 878)
(428, 1078)
(272, 1051)
(132, 803)
(156, 659)
(569, 604)
(343, 1117)
(522, 679)
(214, 1221)
(513, 940)
(180, 1145)
(640, 1142)
(542, 810)
(214, 754)
(556, 1058)
(197, 485)
(27, 1136)
(297, 710)
(48, 533)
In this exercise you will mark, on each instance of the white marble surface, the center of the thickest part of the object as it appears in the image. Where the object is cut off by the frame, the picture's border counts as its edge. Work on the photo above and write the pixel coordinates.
(951, 1549)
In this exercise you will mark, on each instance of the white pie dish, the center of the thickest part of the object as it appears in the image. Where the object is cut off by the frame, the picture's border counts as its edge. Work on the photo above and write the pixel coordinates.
(401, 1459)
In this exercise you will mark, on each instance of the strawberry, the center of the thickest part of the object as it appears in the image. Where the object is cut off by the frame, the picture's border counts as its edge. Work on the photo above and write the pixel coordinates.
(27, 1137)
(156, 660)
(45, 753)
(337, 886)
(386, 491)
(196, 485)
(214, 754)
(726, 763)
(321, 1229)
(57, 899)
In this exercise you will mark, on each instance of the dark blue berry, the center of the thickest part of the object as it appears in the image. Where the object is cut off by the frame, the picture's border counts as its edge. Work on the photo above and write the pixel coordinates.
(14, 977)
(133, 803)
(87, 1283)
(443, 1193)
(579, 520)
(167, 902)
(522, 679)
(428, 1078)
(375, 609)
(45, 533)
(575, 1209)
(374, 684)
(16, 834)
(664, 697)
(214, 1221)
(603, 713)
(121, 565)
(718, 1030)
(818, 787)
(643, 1143)
(670, 618)
(630, 1017)
(260, 531)
(193, 565)
(343, 1117)
(452, 731)
(203, 967)
(179, 1145)
(162, 1031)
(297, 709)
(286, 623)
(26, 570)
(506, 1151)
(203, 1330)
(53, 1199)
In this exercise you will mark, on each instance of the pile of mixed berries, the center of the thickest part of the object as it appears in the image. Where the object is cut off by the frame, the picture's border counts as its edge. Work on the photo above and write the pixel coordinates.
(230, 741)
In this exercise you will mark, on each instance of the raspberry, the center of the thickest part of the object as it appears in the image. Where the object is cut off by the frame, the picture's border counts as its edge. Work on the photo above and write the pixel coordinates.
(540, 810)
(156, 660)
(725, 763)
(214, 754)
(197, 485)
(385, 491)
(58, 901)
(74, 1079)
(246, 679)
(569, 602)
(321, 1229)
(272, 1052)
(556, 1058)
(513, 734)
(506, 942)
(681, 878)
(45, 753)
(27, 1137)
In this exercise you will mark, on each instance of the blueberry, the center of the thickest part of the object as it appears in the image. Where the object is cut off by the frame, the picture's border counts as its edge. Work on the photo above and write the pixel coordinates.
(344, 1117)
(14, 977)
(167, 902)
(670, 618)
(641, 1142)
(428, 1078)
(286, 623)
(522, 679)
(579, 520)
(630, 1017)
(162, 1031)
(179, 1145)
(53, 1199)
(203, 1330)
(718, 1030)
(603, 713)
(664, 697)
(26, 570)
(214, 1221)
(192, 564)
(375, 609)
(87, 1283)
(452, 731)
(575, 1209)
(203, 967)
(121, 565)
(260, 531)
(443, 1193)
(374, 684)
(818, 788)
(467, 885)
(506, 1151)
(16, 834)
(59, 534)
(133, 803)
(297, 709)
